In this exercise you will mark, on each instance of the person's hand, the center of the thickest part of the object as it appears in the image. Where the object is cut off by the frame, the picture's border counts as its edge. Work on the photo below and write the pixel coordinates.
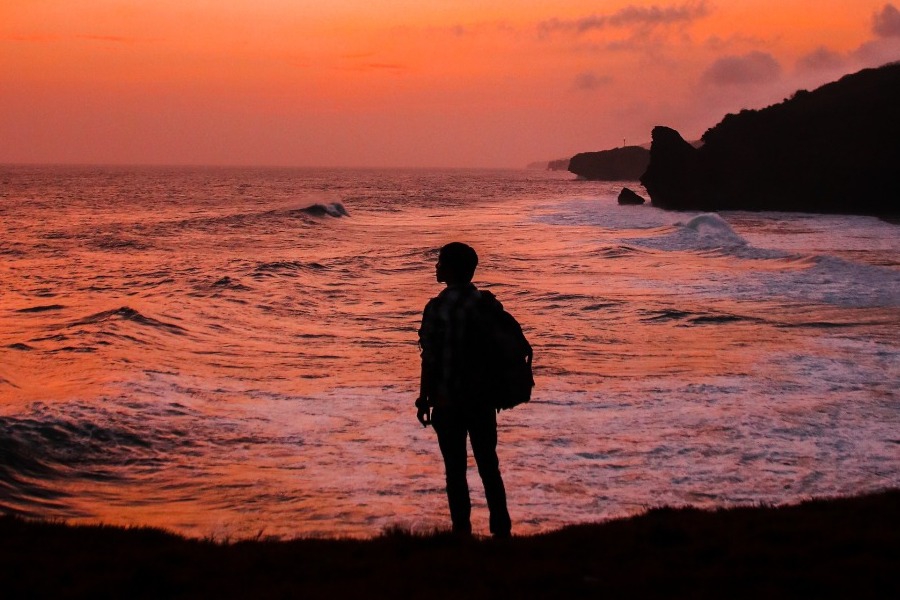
(424, 416)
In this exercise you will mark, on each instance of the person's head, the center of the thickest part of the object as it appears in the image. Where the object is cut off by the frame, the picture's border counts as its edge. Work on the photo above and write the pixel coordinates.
(456, 263)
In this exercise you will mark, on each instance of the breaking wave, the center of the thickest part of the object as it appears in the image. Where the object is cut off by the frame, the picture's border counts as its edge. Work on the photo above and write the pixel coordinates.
(704, 232)
(126, 313)
(332, 209)
(43, 451)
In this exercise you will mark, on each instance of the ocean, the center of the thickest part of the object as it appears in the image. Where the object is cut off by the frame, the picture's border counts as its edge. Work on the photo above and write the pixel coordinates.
(232, 352)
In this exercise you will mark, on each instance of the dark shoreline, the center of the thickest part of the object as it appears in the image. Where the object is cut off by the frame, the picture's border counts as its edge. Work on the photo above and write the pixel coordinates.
(843, 547)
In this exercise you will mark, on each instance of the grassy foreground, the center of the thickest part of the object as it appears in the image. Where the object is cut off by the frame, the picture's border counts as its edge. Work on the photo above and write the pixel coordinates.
(848, 547)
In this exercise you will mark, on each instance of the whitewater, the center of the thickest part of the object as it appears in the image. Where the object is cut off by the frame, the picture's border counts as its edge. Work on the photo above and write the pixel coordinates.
(232, 352)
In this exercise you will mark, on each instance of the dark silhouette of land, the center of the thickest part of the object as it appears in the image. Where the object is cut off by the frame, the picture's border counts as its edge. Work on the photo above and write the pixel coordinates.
(846, 548)
(619, 164)
(560, 164)
(831, 150)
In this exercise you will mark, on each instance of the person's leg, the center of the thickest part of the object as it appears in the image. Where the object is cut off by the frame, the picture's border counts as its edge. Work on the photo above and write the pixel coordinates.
(482, 426)
(451, 434)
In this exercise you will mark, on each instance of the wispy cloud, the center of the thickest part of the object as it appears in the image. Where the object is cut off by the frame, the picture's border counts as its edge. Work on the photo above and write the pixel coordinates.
(33, 37)
(469, 30)
(884, 46)
(117, 39)
(375, 67)
(821, 59)
(589, 81)
(749, 69)
(385, 66)
(43, 37)
(630, 16)
(887, 22)
(368, 61)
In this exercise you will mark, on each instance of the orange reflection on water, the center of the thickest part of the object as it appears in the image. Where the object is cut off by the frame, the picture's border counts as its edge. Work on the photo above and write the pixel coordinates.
(219, 362)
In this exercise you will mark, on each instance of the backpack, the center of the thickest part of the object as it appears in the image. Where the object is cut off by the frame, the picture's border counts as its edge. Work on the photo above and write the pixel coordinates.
(504, 356)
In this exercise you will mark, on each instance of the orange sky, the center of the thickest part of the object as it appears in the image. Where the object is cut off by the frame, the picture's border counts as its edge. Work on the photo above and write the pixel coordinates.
(403, 82)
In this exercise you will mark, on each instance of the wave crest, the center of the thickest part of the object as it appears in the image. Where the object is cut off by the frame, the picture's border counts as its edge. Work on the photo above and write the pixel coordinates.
(331, 209)
(126, 313)
(712, 229)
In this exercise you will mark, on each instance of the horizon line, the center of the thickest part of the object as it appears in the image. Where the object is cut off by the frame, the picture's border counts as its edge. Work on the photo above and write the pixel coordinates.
(186, 165)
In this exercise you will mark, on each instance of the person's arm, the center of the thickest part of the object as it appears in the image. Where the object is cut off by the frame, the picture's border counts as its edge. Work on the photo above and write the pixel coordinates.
(423, 410)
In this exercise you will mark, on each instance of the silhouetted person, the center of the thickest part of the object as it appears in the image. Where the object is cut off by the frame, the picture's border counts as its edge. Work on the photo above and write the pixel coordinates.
(448, 398)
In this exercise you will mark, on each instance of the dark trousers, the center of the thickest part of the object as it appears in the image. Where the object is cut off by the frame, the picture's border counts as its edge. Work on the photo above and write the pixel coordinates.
(452, 425)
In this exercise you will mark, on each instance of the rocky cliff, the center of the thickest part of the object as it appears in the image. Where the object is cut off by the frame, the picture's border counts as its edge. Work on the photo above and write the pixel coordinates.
(834, 149)
(620, 164)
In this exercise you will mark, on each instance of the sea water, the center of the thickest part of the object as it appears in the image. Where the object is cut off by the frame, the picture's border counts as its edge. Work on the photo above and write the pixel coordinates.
(232, 352)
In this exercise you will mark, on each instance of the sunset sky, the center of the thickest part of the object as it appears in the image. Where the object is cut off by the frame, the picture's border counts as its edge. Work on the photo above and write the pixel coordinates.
(421, 83)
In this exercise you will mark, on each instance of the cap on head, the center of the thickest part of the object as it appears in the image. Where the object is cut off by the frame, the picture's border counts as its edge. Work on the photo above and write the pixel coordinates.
(458, 261)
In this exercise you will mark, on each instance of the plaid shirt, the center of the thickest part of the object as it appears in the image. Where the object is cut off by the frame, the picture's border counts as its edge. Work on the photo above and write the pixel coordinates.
(443, 335)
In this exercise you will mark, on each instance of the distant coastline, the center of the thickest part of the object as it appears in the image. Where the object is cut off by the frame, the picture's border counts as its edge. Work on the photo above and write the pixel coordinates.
(619, 164)
(830, 150)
